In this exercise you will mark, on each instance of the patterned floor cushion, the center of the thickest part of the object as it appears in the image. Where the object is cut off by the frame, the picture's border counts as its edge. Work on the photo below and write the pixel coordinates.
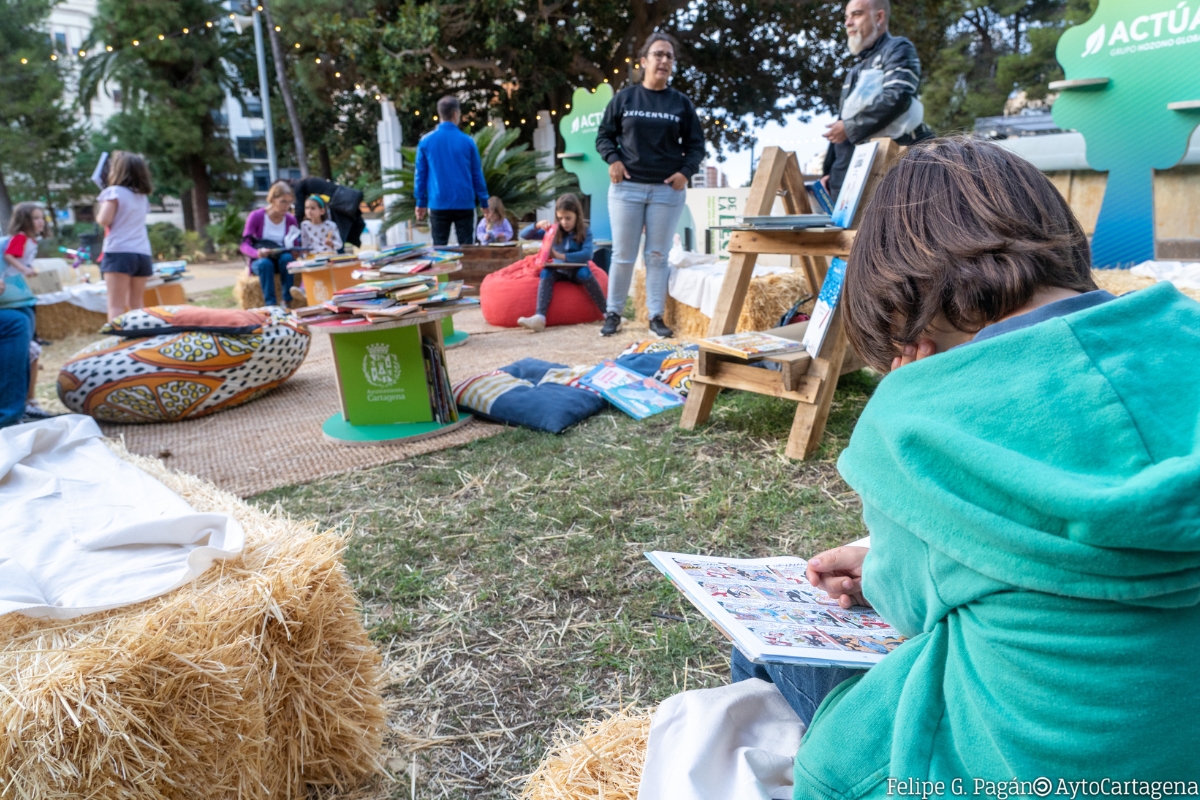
(666, 363)
(181, 375)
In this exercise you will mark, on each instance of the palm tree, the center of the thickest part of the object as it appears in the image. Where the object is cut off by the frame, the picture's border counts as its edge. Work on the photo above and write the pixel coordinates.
(511, 173)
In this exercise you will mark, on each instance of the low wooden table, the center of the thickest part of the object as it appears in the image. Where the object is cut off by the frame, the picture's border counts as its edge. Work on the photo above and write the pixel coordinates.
(383, 381)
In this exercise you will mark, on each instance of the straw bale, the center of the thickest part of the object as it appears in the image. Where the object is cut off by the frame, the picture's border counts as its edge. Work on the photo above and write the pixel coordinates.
(602, 760)
(1120, 281)
(56, 321)
(255, 681)
(248, 293)
(767, 298)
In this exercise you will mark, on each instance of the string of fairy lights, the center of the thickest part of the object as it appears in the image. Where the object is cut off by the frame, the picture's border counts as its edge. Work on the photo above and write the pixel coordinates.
(210, 23)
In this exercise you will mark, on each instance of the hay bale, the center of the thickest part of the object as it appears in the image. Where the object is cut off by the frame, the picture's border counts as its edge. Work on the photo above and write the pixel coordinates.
(602, 760)
(255, 681)
(767, 298)
(64, 320)
(1121, 281)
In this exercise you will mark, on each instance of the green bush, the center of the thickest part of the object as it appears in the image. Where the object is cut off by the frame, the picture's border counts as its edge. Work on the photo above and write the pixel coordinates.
(226, 232)
(169, 243)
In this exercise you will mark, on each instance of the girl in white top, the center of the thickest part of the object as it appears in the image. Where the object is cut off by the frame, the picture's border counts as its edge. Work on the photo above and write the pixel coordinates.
(318, 233)
(124, 205)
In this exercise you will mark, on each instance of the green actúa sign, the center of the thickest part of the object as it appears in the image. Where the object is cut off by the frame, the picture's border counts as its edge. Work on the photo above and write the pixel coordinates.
(579, 129)
(381, 375)
(1132, 89)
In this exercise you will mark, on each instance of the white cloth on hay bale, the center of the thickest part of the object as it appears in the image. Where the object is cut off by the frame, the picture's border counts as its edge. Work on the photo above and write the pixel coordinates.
(699, 286)
(735, 742)
(82, 530)
(1185, 275)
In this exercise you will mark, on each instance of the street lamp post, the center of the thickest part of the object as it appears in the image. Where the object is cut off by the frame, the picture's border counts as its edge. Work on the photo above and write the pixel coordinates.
(264, 91)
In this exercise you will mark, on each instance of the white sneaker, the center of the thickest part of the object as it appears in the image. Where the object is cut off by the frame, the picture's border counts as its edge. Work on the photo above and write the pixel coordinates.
(535, 323)
(298, 295)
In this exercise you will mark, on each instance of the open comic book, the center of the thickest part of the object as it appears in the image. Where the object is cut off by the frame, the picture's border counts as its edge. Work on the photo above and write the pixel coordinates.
(769, 610)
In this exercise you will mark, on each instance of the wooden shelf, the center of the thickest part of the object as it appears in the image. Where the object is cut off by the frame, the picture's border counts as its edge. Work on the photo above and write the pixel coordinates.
(793, 243)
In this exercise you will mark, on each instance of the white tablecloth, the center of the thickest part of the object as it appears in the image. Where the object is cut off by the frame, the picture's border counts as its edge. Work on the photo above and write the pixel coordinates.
(82, 530)
(699, 286)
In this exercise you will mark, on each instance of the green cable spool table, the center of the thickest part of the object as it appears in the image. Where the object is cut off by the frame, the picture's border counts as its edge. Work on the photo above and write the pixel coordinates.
(383, 379)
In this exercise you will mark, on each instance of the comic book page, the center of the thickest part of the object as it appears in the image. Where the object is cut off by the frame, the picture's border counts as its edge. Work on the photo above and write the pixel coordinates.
(768, 609)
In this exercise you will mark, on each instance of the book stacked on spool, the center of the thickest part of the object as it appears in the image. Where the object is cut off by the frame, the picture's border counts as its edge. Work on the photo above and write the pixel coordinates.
(378, 301)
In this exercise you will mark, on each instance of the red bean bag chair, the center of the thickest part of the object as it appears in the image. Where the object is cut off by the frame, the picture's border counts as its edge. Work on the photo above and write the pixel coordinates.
(511, 292)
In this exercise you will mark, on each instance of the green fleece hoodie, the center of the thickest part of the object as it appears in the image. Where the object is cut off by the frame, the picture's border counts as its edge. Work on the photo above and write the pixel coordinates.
(1034, 507)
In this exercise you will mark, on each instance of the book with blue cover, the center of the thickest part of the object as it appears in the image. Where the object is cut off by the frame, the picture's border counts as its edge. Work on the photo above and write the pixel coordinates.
(854, 184)
(638, 396)
(827, 300)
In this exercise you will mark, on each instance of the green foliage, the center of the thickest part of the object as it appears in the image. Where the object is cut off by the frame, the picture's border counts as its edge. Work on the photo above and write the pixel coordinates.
(226, 232)
(509, 169)
(514, 57)
(169, 242)
(38, 133)
(172, 90)
(993, 49)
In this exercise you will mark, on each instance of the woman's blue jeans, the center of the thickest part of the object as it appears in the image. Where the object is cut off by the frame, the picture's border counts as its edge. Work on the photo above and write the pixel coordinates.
(632, 208)
(266, 269)
(16, 331)
(803, 687)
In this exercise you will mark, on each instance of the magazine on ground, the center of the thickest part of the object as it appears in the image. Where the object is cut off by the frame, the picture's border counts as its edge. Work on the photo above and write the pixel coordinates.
(827, 301)
(768, 609)
(636, 395)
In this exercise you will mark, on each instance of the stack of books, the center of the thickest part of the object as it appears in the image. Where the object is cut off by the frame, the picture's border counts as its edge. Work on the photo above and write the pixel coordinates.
(441, 395)
(408, 258)
(379, 301)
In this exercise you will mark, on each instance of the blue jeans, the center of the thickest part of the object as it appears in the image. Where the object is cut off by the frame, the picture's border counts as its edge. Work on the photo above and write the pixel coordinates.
(803, 687)
(632, 207)
(16, 331)
(266, 268)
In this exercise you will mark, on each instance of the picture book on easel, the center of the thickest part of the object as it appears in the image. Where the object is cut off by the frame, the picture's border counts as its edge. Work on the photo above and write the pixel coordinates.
(767, 608)
(827, 301)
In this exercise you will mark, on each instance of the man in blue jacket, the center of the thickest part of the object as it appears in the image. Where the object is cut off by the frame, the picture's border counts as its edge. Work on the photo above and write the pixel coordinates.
(449, 184)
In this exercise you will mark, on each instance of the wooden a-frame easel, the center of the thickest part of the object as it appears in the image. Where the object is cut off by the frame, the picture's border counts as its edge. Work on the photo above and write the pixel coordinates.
(810, 382)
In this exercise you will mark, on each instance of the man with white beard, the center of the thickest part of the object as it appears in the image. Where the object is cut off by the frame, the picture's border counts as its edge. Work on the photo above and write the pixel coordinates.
(875, 49)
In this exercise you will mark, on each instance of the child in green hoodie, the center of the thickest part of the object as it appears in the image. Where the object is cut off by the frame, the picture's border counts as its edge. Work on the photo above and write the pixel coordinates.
(1030, 474)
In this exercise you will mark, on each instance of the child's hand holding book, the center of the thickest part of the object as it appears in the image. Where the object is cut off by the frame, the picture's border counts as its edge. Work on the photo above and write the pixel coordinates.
(838, 572)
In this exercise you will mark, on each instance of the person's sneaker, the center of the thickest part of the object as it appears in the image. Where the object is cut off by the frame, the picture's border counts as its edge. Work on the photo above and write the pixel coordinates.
(299, 296)
(660, 328)
(612, 324)
(33, 412)
(534, 323)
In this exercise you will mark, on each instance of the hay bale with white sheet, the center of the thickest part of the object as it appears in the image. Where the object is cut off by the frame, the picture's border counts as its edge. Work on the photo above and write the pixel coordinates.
(767, 298)
(257, 680)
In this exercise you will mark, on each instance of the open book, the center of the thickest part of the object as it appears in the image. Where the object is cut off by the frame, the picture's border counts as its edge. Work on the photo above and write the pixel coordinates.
(767, 608)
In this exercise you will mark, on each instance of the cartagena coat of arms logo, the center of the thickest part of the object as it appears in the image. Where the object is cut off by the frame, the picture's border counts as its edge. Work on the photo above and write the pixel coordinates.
(381, 367)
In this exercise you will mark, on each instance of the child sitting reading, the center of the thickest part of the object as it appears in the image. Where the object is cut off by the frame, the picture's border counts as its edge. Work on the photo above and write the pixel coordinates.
(1028, 472)
(20, 249)
(494, 228)
(318, 233)
(571, 251)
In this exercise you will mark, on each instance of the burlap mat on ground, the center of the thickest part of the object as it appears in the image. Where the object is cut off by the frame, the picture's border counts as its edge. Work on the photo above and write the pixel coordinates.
(276, 440)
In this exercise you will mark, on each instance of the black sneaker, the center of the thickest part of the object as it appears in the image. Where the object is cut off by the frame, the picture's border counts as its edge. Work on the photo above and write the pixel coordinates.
(660, 328)
(612, 324)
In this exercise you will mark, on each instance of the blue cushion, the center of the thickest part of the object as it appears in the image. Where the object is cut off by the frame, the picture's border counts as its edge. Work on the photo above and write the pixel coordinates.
(531, 393)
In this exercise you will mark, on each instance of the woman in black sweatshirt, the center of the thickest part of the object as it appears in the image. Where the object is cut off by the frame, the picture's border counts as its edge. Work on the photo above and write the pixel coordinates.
(653, 142)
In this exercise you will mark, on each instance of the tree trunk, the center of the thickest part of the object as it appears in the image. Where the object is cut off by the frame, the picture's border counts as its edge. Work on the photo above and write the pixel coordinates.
(285, 89)
(199, 174)
(5, 205)
(189, 219)
(323, 158)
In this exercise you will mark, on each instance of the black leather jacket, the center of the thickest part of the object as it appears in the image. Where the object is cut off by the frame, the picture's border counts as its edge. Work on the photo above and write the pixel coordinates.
(897, 57)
